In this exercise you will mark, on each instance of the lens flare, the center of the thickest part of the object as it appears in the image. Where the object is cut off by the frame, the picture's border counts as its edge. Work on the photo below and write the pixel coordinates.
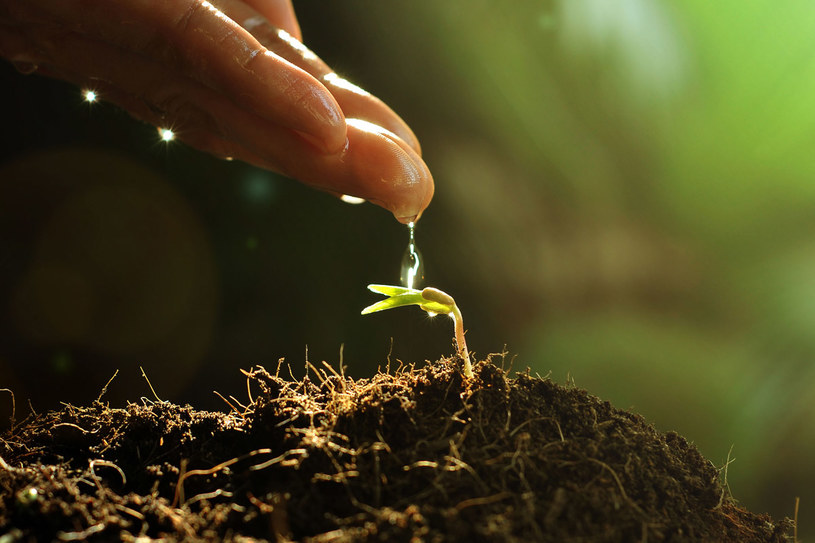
(348, 199)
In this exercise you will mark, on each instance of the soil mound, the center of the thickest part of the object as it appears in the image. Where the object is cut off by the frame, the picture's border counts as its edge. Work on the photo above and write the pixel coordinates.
(415, 455)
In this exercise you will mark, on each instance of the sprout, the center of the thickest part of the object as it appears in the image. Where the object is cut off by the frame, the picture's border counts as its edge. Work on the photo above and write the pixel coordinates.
(431, 300)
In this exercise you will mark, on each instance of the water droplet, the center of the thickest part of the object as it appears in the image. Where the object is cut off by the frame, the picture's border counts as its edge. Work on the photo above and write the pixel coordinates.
(412, 272)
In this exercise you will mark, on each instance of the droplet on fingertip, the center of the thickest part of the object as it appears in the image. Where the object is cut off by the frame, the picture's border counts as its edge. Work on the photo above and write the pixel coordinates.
(408, 220)
(90, 96)
(348, 199)
(166, 134)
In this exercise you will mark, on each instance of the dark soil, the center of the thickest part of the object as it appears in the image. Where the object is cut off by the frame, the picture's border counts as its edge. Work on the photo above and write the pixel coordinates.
(419, 455)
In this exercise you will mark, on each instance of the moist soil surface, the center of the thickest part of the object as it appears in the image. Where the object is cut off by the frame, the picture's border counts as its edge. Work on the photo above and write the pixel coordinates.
(419, 454)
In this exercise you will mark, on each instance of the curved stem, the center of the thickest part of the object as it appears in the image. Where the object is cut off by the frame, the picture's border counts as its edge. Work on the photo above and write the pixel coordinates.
(458, 322)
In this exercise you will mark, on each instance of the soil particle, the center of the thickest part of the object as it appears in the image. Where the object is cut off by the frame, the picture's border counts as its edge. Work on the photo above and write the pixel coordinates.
(416, 455)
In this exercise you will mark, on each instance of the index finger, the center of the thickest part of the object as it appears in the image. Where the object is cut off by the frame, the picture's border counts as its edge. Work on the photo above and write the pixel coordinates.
(354, 101)
(202, 43)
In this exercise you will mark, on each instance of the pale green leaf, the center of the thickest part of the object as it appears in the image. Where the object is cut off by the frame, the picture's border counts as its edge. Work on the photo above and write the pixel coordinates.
(402, 296)
(395, 301)
(392, 290)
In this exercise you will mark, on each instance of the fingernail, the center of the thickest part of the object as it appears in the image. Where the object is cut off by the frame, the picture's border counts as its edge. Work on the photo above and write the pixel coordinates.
(327, 147)
(330, 123)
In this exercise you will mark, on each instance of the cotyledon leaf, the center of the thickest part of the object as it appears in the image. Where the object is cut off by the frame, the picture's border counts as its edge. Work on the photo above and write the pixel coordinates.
(432, 300)
(402, 296)
(395, 301)
(392, 290)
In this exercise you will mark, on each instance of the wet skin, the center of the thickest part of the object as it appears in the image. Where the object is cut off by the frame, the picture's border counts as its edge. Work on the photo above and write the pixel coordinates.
(231, 78)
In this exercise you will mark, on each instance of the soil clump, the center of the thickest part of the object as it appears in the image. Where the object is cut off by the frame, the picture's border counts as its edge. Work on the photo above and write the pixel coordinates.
(419, 454)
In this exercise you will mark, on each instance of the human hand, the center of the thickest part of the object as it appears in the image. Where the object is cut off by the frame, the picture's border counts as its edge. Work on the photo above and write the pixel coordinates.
(232, 80)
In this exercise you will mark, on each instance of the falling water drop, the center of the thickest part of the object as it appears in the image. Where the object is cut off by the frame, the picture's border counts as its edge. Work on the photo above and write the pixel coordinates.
(412, 273)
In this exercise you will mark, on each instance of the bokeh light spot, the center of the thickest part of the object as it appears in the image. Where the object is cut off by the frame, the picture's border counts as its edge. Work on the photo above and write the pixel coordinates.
(62, 362)
(258, 187)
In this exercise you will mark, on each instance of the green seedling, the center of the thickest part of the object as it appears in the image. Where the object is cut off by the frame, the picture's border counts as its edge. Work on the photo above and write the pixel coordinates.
(434, 302)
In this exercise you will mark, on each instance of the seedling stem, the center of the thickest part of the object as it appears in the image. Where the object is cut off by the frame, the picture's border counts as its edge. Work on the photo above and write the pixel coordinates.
(431, 300)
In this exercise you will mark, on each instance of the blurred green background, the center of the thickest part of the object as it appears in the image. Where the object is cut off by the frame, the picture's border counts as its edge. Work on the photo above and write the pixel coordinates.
(625, 197)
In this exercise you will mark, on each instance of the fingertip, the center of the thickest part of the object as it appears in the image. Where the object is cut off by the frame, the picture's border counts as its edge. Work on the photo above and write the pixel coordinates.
(413, 195)
(390, 173)
(411, 211)
(374, 164)
(331, 142)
